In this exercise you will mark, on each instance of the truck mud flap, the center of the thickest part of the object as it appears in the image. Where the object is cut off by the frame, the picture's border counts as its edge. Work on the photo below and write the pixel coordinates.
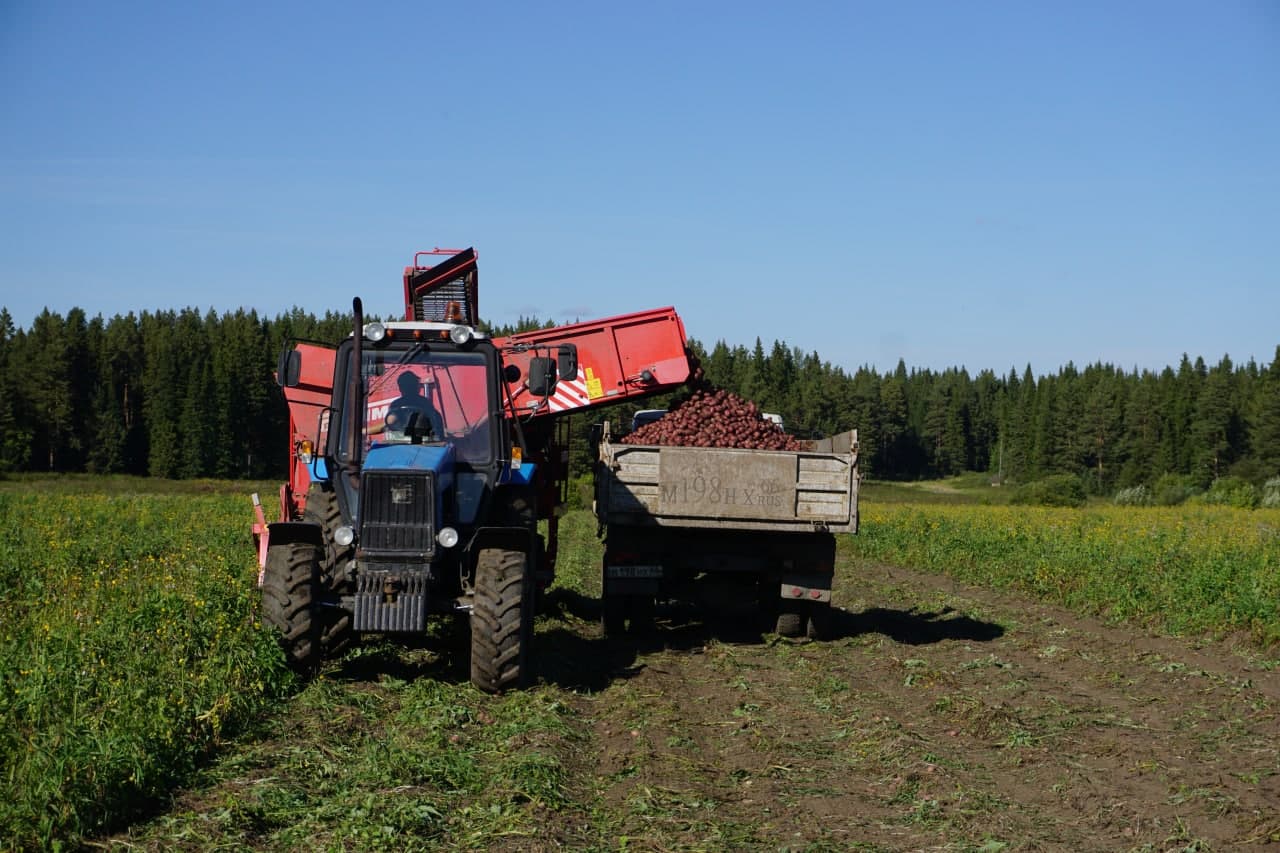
(509, 538)
(806, 588)
(390, 603)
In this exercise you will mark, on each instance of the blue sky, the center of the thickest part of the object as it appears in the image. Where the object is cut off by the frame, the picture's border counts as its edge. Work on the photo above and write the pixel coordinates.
(985, 184)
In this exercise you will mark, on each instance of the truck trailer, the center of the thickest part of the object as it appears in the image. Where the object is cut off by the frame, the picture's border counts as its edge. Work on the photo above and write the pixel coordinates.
(683, 522)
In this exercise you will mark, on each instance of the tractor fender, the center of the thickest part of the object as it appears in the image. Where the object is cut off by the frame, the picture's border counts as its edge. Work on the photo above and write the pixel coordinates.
(509, 538)
(290, 532)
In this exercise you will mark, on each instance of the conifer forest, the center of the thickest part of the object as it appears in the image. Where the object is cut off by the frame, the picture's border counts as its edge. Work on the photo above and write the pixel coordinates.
(189, 394)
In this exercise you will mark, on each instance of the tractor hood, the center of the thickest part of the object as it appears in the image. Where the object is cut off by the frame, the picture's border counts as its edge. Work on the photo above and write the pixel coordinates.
(438, 458)
(402, 500)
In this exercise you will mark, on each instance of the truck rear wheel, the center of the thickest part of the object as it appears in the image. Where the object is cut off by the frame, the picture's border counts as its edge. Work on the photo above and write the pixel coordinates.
(790, 621)
(613, 615)
(289, 592)
(501, 620)
(620, 612)
(818, 626)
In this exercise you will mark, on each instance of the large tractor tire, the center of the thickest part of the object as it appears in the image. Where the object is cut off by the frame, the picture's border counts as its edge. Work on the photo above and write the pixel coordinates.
(501, 620)
(335, 623)
(289, 592)
(519, 508)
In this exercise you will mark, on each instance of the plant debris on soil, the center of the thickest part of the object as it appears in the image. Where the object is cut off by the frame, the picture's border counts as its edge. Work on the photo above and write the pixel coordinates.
(942, 716)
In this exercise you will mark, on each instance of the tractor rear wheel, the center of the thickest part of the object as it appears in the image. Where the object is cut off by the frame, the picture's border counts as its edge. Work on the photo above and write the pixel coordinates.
(501, 620)
(289, 592)
(335, 623)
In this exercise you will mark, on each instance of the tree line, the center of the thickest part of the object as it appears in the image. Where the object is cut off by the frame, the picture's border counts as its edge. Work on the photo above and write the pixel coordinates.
(1114, 428)
(185, 394)
(176, 394)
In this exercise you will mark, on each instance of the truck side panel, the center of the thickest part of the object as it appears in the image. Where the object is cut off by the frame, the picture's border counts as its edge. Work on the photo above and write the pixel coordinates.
(732, 489)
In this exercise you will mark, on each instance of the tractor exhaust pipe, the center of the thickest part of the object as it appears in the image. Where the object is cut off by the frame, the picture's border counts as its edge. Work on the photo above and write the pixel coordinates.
(355, 388)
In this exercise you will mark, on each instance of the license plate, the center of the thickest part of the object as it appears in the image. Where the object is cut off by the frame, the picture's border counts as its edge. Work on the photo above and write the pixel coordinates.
(633, 571)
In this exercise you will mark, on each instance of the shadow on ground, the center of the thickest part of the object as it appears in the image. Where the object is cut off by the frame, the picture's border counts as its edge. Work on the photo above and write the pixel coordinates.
(913, 627)
(443, 655)
(573, 653)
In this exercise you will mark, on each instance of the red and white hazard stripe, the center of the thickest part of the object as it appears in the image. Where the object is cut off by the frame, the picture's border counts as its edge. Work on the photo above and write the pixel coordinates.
(569, 395)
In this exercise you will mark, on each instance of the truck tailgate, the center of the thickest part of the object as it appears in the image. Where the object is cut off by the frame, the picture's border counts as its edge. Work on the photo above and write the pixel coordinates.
(730, 488)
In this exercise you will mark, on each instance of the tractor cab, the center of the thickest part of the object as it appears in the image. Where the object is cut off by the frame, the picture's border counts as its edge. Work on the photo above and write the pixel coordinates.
(422, 414)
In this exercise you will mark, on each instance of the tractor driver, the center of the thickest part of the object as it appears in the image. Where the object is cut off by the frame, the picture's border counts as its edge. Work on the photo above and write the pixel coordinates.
(412, 413)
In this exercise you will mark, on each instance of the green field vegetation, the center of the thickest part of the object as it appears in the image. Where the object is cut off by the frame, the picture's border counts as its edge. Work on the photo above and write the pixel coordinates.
(130, 646)
(131, 655)
(972, 488)
(132, 651)
(1183, 570)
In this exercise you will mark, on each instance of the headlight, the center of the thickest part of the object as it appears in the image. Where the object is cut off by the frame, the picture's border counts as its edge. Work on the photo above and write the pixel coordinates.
(344, 536)
(447, 537)
(375, 331)
(460, 335)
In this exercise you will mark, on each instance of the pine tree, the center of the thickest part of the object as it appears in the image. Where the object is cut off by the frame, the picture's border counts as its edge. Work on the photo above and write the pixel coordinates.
(1141, 440)
(1265, 437)
(162, 394)
(1215, 426)
(1101, 426)
(984, 415)
(864, 410)
(15, 436)
(893, 428)
(1018, 439)
(48, 390)
(718, 366)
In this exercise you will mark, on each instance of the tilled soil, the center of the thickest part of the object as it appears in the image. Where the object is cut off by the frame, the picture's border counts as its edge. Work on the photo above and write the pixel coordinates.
(940, 717)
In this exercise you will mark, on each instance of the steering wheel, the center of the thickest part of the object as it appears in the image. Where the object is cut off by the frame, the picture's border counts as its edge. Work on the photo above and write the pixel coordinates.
(410, 420)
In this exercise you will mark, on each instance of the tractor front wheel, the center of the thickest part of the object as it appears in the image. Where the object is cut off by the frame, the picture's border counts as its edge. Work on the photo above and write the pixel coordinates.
(501, 620)
(290, 584)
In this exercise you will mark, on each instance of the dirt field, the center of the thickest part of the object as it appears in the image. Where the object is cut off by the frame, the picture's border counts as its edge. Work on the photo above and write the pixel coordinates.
(940, 718)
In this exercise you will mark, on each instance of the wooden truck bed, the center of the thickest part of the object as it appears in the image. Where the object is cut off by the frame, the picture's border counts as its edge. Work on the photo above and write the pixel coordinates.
(730, 489)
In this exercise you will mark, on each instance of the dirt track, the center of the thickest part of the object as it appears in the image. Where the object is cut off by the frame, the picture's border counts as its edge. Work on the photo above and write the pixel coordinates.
(942, 717)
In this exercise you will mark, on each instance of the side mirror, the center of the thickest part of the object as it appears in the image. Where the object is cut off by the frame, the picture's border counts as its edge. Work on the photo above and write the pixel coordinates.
(511, 373)
(542, 376)
(567, 362)
(289, 368)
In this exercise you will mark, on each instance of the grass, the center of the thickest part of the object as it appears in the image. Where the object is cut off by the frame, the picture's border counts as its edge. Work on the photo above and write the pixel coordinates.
(961, 489)
(130, 648)
(134, 680)
(124, 485)
(1183, 570)
(384, 764)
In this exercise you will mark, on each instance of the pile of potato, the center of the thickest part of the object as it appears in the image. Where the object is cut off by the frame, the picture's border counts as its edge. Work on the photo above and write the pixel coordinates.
(714, 418)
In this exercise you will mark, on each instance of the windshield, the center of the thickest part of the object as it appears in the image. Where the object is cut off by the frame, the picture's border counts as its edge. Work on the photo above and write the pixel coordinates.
(426, 396)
